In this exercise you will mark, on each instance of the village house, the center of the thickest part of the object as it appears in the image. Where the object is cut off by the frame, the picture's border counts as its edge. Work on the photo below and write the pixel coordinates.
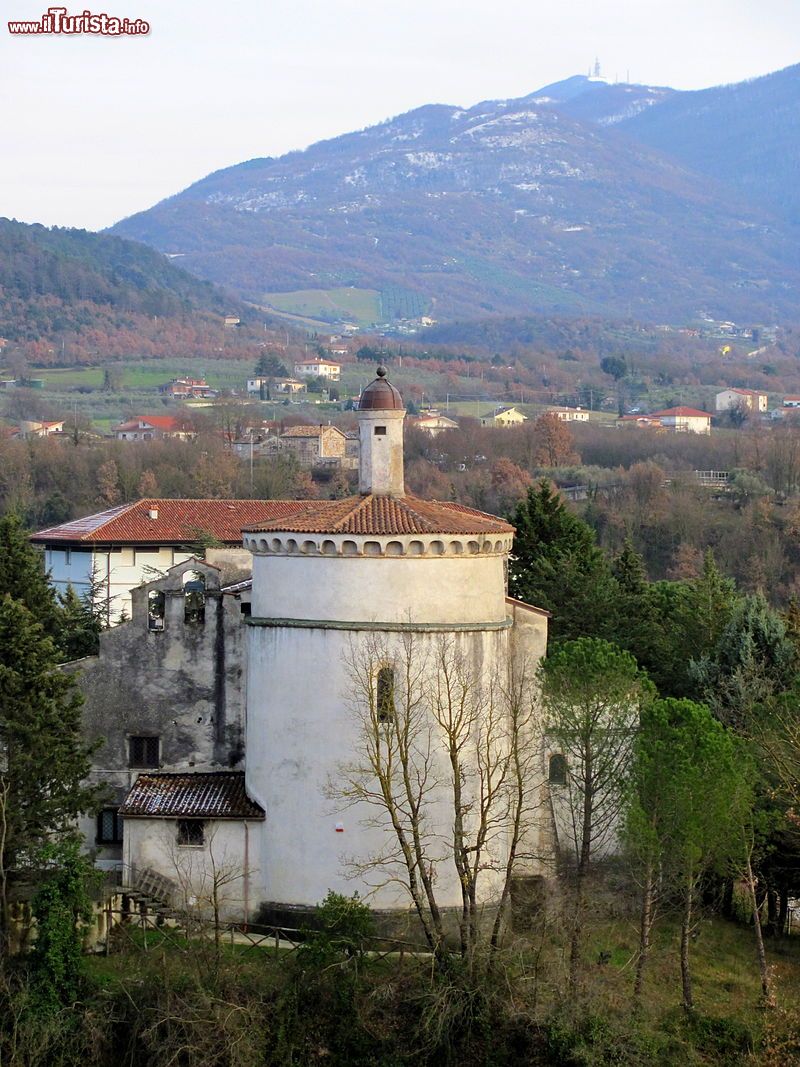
(153, 428)
(742, 399)
(112, 552)
(683, 420)
(316, 446)
(638, 421)
(283, 386)
(257, 444)
(433, 423)
(34, 428)
(569, 414)
(318, 368)
(503, 417)
(187, 388)
(791, 401)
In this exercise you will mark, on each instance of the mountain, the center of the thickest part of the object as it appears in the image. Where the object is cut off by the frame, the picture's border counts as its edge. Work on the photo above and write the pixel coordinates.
(593, 100)
(90, 291)
(745, 135)
(508, 207)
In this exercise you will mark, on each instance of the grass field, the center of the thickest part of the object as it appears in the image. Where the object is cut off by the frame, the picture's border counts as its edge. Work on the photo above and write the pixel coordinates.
(362, 306)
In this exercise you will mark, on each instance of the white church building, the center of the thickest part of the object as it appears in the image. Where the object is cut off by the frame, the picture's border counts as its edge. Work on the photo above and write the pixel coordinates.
(349, 598)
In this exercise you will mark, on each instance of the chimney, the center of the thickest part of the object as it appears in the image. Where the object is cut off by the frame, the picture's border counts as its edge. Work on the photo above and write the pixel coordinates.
(153, 513)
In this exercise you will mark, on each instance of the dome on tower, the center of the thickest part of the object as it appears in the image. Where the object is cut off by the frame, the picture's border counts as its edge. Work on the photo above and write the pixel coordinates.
(381, 395)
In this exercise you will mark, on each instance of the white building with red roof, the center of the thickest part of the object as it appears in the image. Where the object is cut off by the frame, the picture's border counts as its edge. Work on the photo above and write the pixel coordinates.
(153, 427)
(113, 551)
(684, 420)
(748, 399)
(318, 368)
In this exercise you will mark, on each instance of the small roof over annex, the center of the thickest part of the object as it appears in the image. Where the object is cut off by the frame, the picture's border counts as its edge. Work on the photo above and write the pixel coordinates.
(213, 795)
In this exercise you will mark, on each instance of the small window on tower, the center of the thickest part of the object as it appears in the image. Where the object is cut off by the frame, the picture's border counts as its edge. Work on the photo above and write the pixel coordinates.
(557, 770)
(380, 431)
(384, 695)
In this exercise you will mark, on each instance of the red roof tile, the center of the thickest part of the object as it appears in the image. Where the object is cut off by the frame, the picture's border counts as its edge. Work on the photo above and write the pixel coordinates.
(178, 522)
(218, 795)
(683, 412)
(160, 422)
(383, 515)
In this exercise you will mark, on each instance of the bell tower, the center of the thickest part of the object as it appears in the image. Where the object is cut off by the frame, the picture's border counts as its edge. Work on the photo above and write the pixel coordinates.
(380, 430)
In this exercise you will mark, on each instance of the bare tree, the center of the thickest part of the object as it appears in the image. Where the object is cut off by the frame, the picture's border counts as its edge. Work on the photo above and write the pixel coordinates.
(444, 769)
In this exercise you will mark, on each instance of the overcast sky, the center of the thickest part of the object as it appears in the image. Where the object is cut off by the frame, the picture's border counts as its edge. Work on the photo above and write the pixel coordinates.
(95, 128)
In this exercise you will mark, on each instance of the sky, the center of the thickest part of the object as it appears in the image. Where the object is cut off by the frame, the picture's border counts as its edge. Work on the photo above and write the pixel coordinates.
(95, 128)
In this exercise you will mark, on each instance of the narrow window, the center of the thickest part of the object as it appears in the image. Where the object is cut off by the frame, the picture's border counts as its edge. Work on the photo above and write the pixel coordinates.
(384, 695)
(246, 608)
(194, 603)
(67, 557)
(109, 827)
(156, 604)
(191, 832)
(143, 751)
(557, 772)
(380, 431)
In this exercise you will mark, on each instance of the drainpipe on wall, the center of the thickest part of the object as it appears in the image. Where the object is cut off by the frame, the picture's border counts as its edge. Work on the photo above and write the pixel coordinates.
(246, 873)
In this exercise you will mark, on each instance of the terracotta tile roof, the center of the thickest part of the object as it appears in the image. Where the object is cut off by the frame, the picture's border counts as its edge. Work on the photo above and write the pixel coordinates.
(308, 431)
(218, 795)
(160, 422)
(683, 412)
(178, 522)
(384, 515)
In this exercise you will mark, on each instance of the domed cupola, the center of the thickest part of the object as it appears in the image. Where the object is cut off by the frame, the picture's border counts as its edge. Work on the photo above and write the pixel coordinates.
(381, 395)
(380, 430)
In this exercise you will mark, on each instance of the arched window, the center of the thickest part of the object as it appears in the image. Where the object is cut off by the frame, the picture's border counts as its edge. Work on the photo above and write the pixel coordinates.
(557, 770)
(384, 695)
(156, 602)
(194, 597)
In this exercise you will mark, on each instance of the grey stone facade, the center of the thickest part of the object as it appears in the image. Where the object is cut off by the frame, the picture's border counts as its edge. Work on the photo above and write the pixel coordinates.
(167, 690)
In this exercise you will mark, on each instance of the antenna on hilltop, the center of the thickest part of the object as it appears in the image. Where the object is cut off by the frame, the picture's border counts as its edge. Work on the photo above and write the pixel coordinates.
(596, 67)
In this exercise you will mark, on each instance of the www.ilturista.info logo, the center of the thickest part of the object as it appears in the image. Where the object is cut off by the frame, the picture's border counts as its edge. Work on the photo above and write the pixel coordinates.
(56, 20)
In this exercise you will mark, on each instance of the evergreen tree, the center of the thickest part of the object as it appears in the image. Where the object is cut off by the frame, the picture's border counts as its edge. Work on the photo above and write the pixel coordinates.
(556, 565)
(639, 622)
(43, 758)
(592, 696)
(691, 798)
(23, 577)
(81, 625)
(752, 662)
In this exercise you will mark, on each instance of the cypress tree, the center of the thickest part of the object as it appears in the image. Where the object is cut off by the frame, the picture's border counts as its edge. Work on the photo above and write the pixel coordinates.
(557, 565)
(43, 757)
(23, 577)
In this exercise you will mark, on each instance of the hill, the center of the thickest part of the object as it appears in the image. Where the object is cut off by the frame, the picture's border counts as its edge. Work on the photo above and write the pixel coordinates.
(509, 207)
(72, 294)
(746, 135)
